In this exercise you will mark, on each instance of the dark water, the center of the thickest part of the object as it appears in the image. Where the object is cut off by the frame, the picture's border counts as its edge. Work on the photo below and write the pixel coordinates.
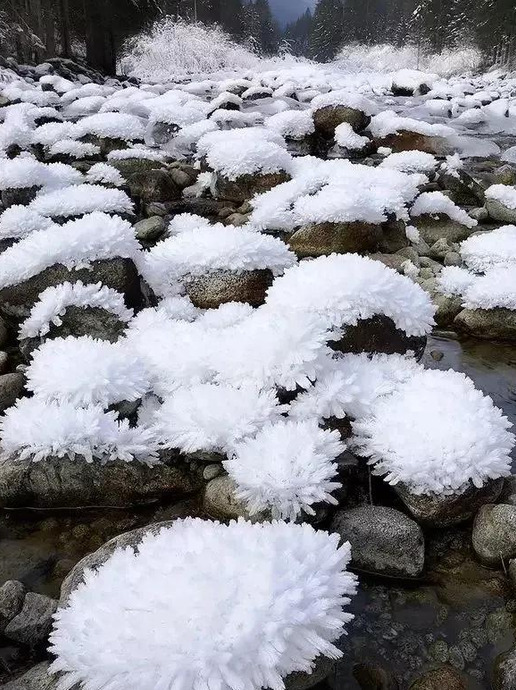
(460, 613)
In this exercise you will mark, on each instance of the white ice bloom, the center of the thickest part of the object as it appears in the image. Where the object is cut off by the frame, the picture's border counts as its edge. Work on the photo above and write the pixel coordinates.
(495, 289)
(343, 289)
(412, 234)
(53, 302)
(208, 418)
(503, 193)
(17, 222)
(388, 122)
(178, 308)
(435, 434)
(346, 137)
(80, 199)
(112, 125)
(410, 162)
(207, 250)
(83, 106)
(286, 468)
(226, 315)
(351, 384)
(244, 152)
(348, 99)
(103, 173)
(38, 429)
(187, 221)
(225, 98)
(186, 139)
(454, 280)
(137, 151)
(75, 245)
(21, 172)
(75, 149)
(53, 132)
(204, 605)
(86, 371)
(434, 203)
(488, 250)
(292, 124)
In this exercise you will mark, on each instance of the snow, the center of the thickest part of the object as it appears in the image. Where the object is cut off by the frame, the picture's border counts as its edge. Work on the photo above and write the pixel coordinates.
(504, 194)
(410, 162)
(103, 173)
(292, 124)
(53, 302)
(436, 203)
(509, 155)
(21, 173)
(454, 280)
(53, 132)
(346, 137)
(108, 372)
(76, 244)
(38, 429)
(137, 151)
(495, 289)
(81, 199)
(488, 250)
(388, 122)
(246, 597)
(348, 99)
(75, 149)
(111, 125)
(17, 222)
(436, 434)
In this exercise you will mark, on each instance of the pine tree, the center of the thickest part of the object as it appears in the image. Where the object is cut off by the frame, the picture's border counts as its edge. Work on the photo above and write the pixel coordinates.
(298, 33)
(328, 30)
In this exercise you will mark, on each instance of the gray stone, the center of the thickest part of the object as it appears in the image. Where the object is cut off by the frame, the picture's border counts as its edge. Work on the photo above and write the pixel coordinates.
(412, 141)
(497, 211)
(394, 261)
(153, 185)
(149, 229)
(180, 178)
(383, 540)
(237, 219)
(130, 166)
(394, 236)
(443, 511)
(245, 186)
(64, 482)
(331, 116)
(211, 471)
(452, 259)
(11, 388)
(447, 308)
(494, 533)
(221, 503)
(12, 594)
(379, 334)
(322, 239)
(439, 249)
(213, 289)
(33, 624)
(3, 332)
(489, 324)
(3, 361)
(432, 229)
(504, 671)
(37, 678)
(409, 253)
(323, 667)
(444, 678)
(464, 189)
(480, 214)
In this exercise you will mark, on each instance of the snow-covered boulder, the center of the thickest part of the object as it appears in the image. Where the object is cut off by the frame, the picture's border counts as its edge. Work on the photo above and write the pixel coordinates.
(337, 107)
(501, 203)
(407, 134)
(436, 217)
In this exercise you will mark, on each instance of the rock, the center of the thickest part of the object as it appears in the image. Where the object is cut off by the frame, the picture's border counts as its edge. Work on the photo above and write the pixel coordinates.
(383, 540)
(237, 219)
(372, 677)
(328, 118)
(479, 214)
(444, 678)
(409, 253)
(439, 249)
(323, 667)
(150, 229)
(119, 274)
(497, 211)
(394, 237)
(11, 388)
(432, 229)
(444, 511)
(213, 289)
(65, 482)
(130, 166)
(4, 358)
(504, 671)
(245, 186)
(221, 503)
(180, 178)
(12, 594)
(33, 624)
(379, 334)
(322, 239)
(452, 259)
(211, 471)
(437, 355)
(156, 208)
(153, 185)
(491, 324)
(494, 533)
(3, 332)
(412, 141)
(22, 196)
(37, 678)
(394, 261)
(447, 308)
(465, 190)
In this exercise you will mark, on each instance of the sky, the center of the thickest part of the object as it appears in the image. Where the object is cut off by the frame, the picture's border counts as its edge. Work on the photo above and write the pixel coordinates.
(287, 11)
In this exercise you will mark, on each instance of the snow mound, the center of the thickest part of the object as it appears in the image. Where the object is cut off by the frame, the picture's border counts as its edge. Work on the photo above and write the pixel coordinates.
(53, 302)
(388, 122)
(495, 289)
(496, 248)
(436, 434)
(17, 222)
(102, 173)
(22, 172)
(434, 203)
(292, 124)
(504, 194)
(411, 162)
(81, 199)
(75, 149)
(112, 126)
(346, 137)
(348, 99)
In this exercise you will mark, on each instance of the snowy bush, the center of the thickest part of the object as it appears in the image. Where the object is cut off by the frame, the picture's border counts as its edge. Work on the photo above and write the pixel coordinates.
(286, 468)
(74, 245)
(107, 373)
(38, 429)
(435, 434)
(482, 252)
(247, 598)
(53, 302)
(81, 199)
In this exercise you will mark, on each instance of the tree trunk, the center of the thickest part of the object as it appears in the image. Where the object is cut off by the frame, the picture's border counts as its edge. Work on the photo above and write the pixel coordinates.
(65, 29)
(50, 37)
(100, 38)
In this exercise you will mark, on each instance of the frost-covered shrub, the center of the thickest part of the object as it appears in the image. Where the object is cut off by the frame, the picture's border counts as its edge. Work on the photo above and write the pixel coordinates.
(204, 249)
(75, 245)
(81, 199)
(286, 468)
(38, 429)
(435, 434)
(482, 252)
(209, 418)
(205, 605)
(17, 222)
(111, 125)
(343, 289)
(53, 302)
(86, 371)
(435, 203)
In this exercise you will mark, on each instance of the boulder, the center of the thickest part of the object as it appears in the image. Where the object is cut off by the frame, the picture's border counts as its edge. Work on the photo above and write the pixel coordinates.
(447, 308)
(150, 229)
(379, 334)
(20, 196)
(444, 678)
(64, 482)
(322, 239)
(12, 594)
(119, 274)
(443, 511)
(37, 678)
(394, 236)
(153, 185)
(383, 540)
(3, 332)
(213, 289)
(323, 667)
(370, 676)
(130, 166)
(11, 388)
(331, 116)
(464, 189)
(497, 211)
(490, 324)
(412, 141)
(33, 623)
(221, 503)
(504, 671)
(432, 229)
(245, 186)
(494, 533)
